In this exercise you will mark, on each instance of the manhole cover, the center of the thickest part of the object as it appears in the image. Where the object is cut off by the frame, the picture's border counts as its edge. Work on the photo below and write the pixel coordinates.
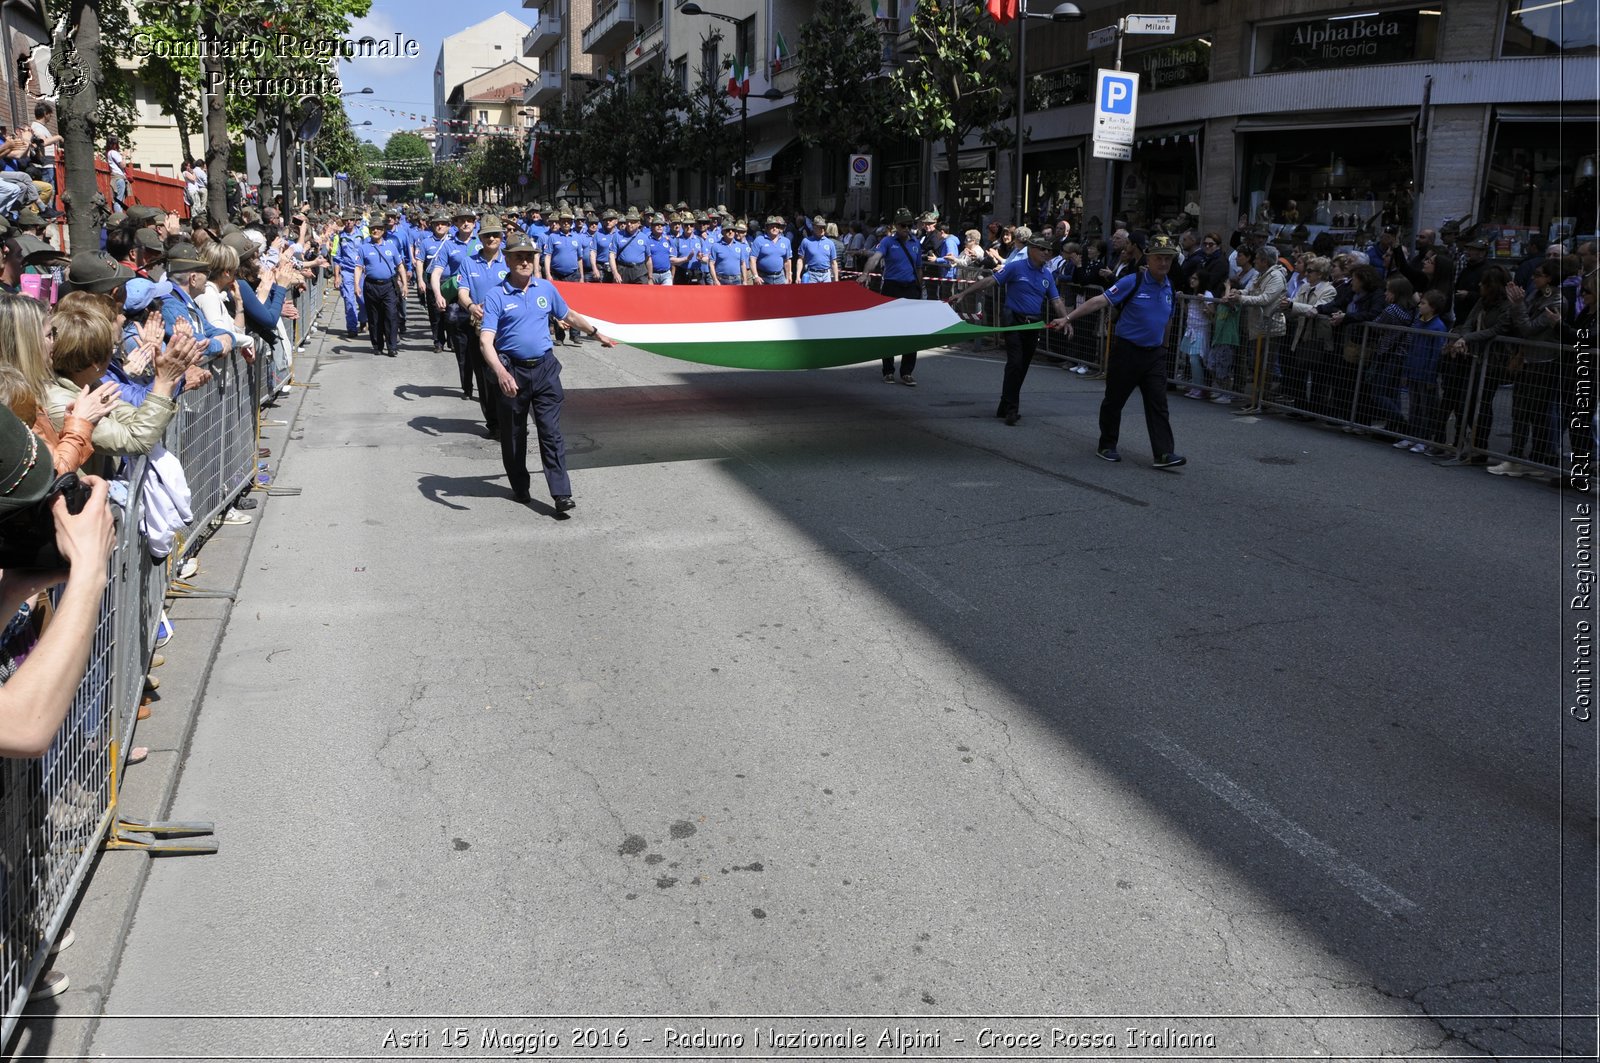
(1276, 461)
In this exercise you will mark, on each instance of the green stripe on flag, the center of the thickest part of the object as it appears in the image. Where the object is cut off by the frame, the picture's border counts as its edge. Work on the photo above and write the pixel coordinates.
(817, 354)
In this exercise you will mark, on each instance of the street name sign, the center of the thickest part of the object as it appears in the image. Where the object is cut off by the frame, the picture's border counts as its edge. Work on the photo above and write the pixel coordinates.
(1151, 24)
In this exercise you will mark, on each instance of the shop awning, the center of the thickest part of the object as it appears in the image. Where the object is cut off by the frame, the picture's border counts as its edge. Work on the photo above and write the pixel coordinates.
(969, 160)
(760, 158)
(1169, 135)
(1382, 116)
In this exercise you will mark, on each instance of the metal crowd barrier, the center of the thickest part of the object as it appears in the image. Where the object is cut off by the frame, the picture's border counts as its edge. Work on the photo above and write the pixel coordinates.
(57, 811)
(1353, 377)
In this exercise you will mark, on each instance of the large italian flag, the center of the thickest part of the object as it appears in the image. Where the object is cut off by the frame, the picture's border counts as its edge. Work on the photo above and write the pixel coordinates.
(769, 326)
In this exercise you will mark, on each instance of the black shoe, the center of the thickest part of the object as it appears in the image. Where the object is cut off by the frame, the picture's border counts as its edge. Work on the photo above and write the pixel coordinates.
(1170, 461)
(437, 348)
(1013, 417)
(393, 353)
(565, 504)
(1109, 453)
(522, 497)
(1000, 410)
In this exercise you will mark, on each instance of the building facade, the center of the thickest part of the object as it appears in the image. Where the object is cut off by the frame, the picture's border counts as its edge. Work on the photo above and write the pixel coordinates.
(467, 54)
(1326, 114)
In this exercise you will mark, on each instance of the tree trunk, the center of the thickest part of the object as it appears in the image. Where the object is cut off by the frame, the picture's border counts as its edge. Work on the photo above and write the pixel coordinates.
(75, 62)
(217, 145)
(264, 178)
(952, 181)
(286, 145)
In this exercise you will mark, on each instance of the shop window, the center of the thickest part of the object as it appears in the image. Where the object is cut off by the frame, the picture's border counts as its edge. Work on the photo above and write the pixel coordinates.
(1552, 27)
(1060, 88)
(1369, 37)
(1172, 66)
(1335, 178)
(1541, 180)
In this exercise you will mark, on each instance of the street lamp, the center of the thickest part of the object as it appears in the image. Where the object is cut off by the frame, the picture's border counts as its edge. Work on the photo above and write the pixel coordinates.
(1063, 12)
(692, 8)
(357, 92)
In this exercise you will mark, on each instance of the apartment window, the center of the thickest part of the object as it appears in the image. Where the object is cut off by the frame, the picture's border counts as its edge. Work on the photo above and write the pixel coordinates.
(1552, 27)
(710, 63)
(483, 117)
(744, 40)
(680, 73)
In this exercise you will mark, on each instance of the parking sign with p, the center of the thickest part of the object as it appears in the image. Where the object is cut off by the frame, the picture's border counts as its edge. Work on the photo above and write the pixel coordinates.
(1116, 104)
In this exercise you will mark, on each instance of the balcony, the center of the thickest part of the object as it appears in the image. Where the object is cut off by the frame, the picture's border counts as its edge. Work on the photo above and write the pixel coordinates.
(546, 31)
(532, 4)
(648, 48)
(546, 88)
(611, 29)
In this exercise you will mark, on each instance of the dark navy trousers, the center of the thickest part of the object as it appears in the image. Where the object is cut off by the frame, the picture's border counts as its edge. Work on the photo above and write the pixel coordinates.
(539, 392)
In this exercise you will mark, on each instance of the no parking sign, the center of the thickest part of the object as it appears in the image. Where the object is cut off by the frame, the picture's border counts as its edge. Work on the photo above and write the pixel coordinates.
(861, 171)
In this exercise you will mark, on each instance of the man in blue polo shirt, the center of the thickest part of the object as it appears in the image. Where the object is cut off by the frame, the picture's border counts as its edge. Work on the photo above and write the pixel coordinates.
(819, 258)
(422, 252)
(898, 253)
(381, 277)
(1030, 291)
(446, 265)
(605, 248)
(662, 248)
(344, 275)
(633, 250)
(727, 260)
(773, 254)
(399, 237)
(480, 275)
(514, 341)
(1138, 352)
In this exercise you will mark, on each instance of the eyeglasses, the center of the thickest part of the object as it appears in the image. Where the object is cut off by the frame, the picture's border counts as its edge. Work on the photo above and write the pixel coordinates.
(1208, 243)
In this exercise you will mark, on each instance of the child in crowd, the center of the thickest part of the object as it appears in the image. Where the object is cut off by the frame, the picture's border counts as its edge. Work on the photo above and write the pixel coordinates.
(1421, 373)
(1224, 342)
(1196, 342)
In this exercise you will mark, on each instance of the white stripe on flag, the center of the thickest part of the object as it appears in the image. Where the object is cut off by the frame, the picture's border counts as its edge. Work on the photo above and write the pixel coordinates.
(899, 317)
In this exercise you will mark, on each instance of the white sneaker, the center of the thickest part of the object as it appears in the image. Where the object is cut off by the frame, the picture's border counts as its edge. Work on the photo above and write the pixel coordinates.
(188, 568)
(233, 516)
(1507, 468)
(1404, 444)
(1223, 400)
(1418, 448)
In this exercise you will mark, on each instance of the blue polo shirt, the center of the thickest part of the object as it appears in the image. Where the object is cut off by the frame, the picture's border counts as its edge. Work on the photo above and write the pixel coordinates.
(520, 320)
(771, 255)
(818, 253)
(661, 251)
(605, 247)
(380, 261)
(481, 277)
(425, 245)
(451, 254)
(349, 254)
(563, 251)
(633, 250)
(1028, 288)
(899, 259)
(727, 258)
(538, 230)
(1143, 318)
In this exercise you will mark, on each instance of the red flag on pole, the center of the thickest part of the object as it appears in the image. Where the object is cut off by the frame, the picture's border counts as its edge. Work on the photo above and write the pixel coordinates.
(1001, 10)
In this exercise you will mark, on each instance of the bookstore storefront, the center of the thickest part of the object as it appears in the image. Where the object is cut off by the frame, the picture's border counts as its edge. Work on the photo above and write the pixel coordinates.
(1540, 179)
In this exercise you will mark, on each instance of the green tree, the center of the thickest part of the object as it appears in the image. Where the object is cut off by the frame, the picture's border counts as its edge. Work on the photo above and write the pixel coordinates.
(841, 101)
(403, 147)
(336, 145)
(707, 145)
(953, 85)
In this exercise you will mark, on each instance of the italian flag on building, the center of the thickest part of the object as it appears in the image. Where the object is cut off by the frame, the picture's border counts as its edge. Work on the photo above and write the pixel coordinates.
(769, 326)
(739, 78)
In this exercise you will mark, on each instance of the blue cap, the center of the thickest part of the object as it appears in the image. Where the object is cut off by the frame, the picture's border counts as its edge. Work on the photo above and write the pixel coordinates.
(141, 293)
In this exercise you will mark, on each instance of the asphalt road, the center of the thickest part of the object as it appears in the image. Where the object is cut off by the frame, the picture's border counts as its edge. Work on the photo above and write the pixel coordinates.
(843, 699)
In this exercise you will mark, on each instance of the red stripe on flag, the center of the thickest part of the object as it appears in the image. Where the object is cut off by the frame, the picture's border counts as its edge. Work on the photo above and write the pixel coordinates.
(653, 304)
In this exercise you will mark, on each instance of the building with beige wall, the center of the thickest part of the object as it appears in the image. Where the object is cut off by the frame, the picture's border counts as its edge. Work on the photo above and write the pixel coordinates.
(468, 54)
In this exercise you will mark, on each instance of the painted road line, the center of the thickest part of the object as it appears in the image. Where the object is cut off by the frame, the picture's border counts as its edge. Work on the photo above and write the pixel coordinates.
(950, 598)
(1281, 827)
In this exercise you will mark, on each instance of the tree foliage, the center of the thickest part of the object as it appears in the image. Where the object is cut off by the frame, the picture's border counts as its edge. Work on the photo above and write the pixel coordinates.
(403, 147)
(841, 101)
(633, 127)
(706, 145)
(953, 85)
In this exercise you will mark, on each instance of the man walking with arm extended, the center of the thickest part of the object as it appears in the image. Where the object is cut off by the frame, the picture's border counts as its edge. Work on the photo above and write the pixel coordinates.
(1138, 358)
(898, 253)
(1030, 290)
(514, 341)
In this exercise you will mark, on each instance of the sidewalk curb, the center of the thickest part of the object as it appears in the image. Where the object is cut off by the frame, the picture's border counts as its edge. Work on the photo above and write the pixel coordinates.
(106, 909)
